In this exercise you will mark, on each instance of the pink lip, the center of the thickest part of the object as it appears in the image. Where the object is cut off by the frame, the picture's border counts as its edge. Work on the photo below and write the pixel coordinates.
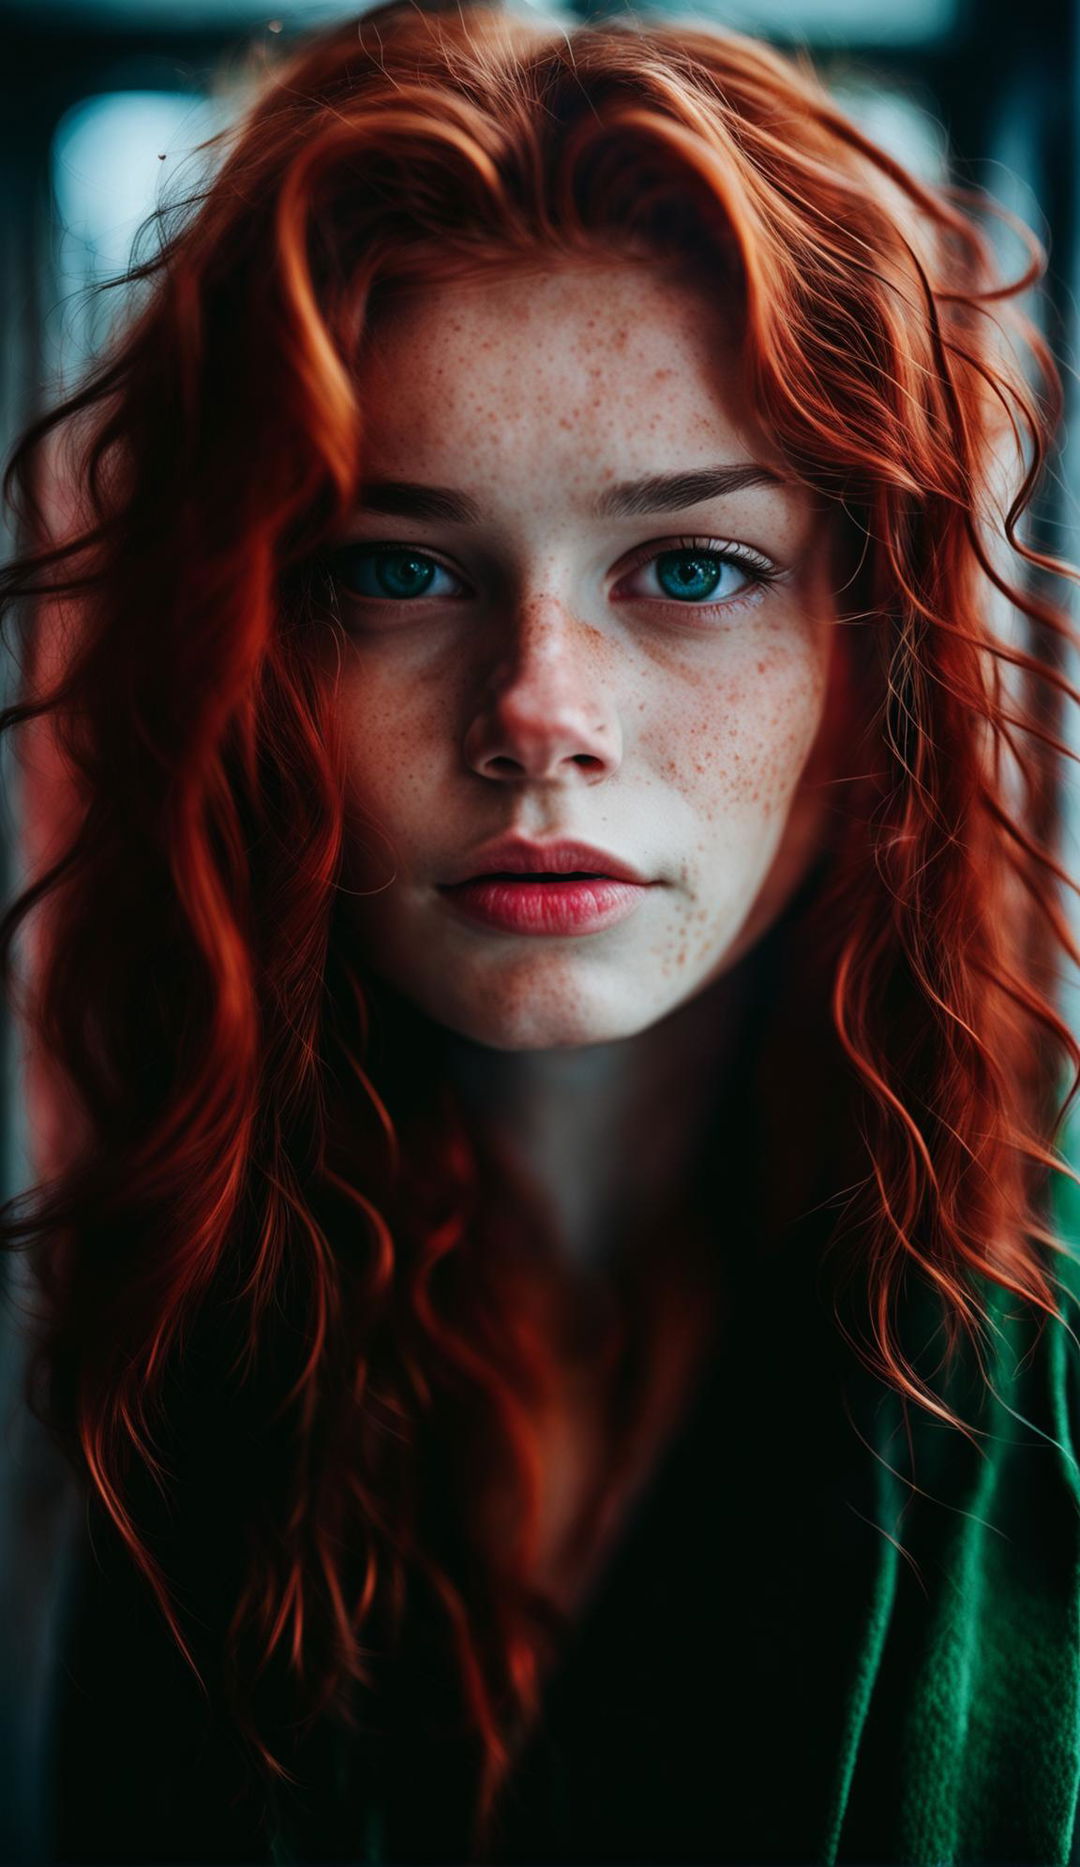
(530, 907)
(518, 856)
(598, 889)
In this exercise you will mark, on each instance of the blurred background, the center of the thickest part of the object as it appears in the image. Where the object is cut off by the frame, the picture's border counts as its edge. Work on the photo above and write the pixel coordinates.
(103, 105)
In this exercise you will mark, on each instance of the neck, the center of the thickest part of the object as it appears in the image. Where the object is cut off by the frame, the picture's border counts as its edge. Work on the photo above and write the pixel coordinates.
(606, 1136)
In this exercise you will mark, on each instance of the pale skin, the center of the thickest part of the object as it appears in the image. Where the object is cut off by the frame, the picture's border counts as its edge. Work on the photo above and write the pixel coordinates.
(547, 683)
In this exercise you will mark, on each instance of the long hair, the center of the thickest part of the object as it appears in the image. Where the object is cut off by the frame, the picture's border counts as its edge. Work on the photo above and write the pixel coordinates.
(267, 1261)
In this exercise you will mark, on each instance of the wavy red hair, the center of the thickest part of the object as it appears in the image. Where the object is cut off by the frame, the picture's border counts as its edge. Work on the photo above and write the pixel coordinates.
(229, 1237)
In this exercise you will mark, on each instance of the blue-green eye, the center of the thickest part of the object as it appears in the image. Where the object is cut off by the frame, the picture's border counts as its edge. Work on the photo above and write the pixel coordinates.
(389, 572)
(691, 572)
(696, 576)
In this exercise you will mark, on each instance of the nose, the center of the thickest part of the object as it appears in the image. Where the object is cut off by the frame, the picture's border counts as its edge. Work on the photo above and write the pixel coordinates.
(545, 711)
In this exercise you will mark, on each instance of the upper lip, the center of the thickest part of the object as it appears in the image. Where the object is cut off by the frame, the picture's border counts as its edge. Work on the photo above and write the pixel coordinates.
(516, 855)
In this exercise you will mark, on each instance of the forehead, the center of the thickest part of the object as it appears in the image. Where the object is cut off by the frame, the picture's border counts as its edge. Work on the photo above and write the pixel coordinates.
(589, 355)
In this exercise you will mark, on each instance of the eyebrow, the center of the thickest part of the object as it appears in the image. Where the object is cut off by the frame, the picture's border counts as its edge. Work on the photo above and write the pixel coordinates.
(656, 492)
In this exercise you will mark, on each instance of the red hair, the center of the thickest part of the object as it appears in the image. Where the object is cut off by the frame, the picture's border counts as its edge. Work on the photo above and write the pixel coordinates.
(235, 1210)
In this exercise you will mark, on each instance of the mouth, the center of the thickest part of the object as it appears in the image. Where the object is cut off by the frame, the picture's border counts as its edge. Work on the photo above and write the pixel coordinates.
(554, 876)
(559, 862)
(563, 902)
(513, 885)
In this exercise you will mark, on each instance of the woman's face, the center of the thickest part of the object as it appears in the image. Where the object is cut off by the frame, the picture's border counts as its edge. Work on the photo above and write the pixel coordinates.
(582, 606)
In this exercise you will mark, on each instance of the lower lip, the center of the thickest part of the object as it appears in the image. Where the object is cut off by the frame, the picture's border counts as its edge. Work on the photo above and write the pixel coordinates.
(576, 907)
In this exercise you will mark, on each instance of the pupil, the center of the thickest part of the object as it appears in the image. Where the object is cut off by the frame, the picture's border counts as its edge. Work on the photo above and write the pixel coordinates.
(685, 573)
(403, 573)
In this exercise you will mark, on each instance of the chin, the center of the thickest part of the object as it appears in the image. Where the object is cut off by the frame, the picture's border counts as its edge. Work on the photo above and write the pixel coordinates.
(524, 1013)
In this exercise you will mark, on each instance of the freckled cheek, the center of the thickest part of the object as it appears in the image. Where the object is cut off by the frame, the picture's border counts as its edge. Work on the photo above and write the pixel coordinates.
(396, 747)
(738, 742)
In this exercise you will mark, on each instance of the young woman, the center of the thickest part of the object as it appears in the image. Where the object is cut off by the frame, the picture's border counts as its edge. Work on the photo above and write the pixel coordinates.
(542, 759)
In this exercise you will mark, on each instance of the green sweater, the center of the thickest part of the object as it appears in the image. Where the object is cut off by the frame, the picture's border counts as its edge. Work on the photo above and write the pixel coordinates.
(978, 1682)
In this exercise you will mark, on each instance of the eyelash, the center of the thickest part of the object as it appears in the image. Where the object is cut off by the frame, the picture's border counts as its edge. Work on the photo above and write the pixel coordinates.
(760, 571)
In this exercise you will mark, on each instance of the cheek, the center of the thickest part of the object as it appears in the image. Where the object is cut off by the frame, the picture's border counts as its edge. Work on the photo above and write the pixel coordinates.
(397, 735)
(734, 741)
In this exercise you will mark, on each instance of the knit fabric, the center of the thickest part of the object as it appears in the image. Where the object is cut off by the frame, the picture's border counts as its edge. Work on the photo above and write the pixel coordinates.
(962, 1742)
